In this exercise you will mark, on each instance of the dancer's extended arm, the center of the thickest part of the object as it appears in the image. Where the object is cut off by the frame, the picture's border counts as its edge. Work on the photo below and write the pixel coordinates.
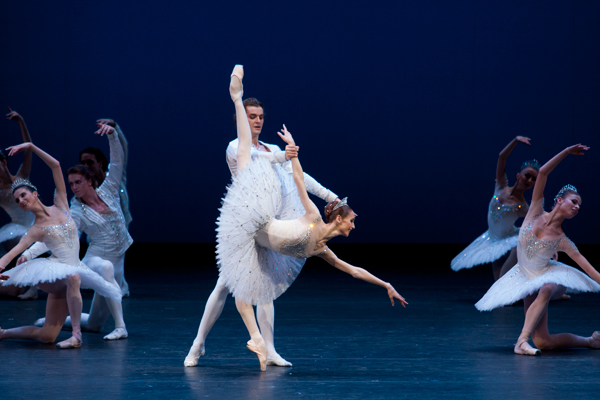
(33, 234)
(363, 274)
(116, 166)
(569, 247)
(60, 197)
(537, 199)
(500, 169)
(25, 168)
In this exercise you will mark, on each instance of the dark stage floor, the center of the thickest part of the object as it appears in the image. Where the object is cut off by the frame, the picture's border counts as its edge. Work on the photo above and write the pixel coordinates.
(342, 335)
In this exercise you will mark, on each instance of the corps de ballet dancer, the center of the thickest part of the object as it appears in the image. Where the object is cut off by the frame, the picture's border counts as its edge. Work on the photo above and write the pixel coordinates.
(62, 274)
(95, 160)
(216, 301)
(97, 213)
(259, 256)
(537, 278)
(11, 233)
(506, 206)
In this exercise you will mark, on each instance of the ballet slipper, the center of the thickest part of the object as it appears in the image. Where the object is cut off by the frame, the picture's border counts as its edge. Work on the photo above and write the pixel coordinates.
(236, 89)
(39, 322)
(594, 340)
(73, 342)
(30, 294)
(260, 349)
(118, 333)
(278, 361)
(191, 360)
(524, 348)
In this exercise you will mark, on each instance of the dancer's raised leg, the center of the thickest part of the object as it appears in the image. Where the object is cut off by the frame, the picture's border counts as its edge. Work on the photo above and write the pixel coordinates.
(256, 344)
(212, 311)
(266, 321)
(243, 126)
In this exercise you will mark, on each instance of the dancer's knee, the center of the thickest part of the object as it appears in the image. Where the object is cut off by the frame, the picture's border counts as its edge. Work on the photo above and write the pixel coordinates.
(73, 281)
(546, 291)
(48, 335)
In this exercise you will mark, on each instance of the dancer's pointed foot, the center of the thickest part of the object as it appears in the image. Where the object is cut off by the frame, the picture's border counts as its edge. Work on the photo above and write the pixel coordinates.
(191, 360)
(71, 343)
(524, 348)
(260, 349)
(30, 294)
(593, 341)
(277, 361)
(236, 88)
(118, 333)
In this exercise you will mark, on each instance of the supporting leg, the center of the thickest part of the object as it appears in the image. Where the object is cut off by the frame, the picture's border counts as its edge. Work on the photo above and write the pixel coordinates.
(266, 320)
(256, 344)
(75, 304)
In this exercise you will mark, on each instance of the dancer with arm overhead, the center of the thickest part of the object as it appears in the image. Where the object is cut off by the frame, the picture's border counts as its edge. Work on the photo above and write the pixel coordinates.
(260, 256)
(60, 275)
(537, 278)
(506, 206)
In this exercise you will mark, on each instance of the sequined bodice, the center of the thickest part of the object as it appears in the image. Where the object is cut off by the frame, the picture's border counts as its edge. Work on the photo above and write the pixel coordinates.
(62, 240)
(17, 215)
(294, 237)
(502, 217)
(533, 253)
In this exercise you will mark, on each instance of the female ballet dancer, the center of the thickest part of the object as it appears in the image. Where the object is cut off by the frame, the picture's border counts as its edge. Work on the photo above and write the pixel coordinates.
(97, 212)
(260, 256)
(537, 278)
(60, 275)
(20, 220)
(507, 205)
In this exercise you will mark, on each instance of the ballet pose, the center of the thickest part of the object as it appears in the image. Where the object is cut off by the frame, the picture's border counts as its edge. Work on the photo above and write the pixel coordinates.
(537, 278)
(259, 255)
(506, 206)
(265, 313)
(97, 213)
(11, 233)
(60, 275)
(95, 160)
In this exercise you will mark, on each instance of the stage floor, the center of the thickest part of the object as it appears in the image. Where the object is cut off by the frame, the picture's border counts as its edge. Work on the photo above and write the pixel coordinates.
(342, 335)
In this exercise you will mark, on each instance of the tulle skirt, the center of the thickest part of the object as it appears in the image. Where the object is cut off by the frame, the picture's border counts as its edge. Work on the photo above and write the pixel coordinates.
(257, 194)
(48, 270)
(515, 285)
(483, 250)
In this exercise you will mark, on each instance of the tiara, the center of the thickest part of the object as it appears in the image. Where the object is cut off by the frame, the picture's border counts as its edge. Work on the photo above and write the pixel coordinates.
(23, 182)
(342, 203)
(566, 188)
(531, 163)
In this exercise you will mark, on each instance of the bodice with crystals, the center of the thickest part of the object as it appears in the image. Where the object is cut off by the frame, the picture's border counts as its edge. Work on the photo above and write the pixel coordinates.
(62, 240)
(17, 215)
(502, 217)
(293, 237)
(534, 254)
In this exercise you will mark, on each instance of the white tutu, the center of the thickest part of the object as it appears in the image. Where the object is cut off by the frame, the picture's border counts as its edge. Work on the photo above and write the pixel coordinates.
(12, 231)
(45, 270)
(483, 250)
(515, 285)
(257, 194)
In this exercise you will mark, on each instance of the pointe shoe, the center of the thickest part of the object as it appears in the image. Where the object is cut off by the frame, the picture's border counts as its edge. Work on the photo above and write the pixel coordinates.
(260, 350)
(30, 294)
(522, 347)
(595, 340)
(71, 343)
(39, 322)
(118, 333)
(191, 360)
(236, 89)
(278, 361)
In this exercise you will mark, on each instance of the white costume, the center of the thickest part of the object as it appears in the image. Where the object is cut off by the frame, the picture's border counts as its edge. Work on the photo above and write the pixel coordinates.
(501, 236)
(534, 269)
(107, 232)
(63, 241)
(20, 220)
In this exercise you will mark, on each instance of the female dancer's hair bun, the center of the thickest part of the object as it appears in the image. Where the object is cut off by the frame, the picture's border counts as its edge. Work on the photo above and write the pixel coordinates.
(566, 190)
(334, 208)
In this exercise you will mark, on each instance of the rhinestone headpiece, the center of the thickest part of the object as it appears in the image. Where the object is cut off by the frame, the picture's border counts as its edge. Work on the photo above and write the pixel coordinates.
(531, 163)
(342, 203)
(566, 188)
(23, 182)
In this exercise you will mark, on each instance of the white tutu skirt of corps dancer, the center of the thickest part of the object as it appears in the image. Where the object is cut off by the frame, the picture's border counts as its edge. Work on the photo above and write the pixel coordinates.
(260, 192)
(45, 270)
(485, 249)
(515, 285)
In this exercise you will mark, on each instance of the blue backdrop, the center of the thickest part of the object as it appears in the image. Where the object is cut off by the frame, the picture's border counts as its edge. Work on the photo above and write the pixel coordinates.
(402, 106)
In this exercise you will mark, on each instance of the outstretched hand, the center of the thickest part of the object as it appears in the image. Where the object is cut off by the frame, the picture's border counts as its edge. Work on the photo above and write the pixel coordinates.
(13, 115)
(286, 136)
(105, 129)
(394, 295)
(578, 149)
(18, 148)
(524, 139)
(106, 121)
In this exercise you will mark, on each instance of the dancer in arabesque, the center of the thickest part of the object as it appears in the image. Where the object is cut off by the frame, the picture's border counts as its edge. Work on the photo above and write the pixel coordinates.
(537, 278)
